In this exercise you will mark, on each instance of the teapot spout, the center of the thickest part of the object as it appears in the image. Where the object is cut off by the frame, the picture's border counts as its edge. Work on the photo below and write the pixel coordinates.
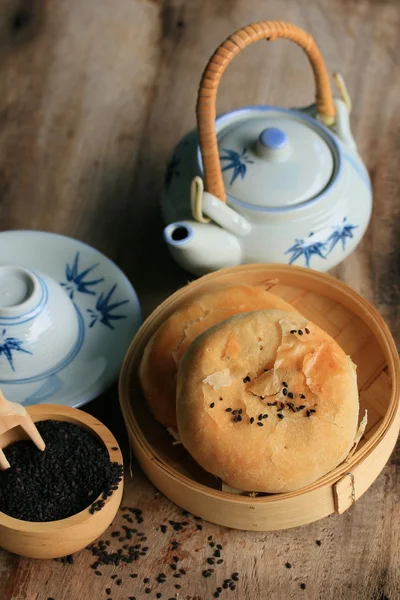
(201, 248)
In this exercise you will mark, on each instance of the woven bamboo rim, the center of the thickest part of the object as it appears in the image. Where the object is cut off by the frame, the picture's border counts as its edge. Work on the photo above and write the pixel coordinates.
(387, 430)
(225, 53)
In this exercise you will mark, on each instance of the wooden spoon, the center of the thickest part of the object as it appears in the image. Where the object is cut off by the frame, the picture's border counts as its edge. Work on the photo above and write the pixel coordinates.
(14, 415)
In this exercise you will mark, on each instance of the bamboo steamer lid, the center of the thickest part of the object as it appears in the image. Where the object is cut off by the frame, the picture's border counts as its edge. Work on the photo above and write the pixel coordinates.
(359, 330)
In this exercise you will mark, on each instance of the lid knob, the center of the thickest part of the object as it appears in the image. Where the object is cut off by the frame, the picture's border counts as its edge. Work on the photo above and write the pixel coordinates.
(273, 144)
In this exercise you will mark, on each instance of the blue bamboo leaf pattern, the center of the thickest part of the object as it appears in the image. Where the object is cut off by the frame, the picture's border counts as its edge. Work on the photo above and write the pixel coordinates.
(306, 248)
(340, 233)
(76, 281)
(8, 345)
(237, 162)
(103, 312)
(172, 170)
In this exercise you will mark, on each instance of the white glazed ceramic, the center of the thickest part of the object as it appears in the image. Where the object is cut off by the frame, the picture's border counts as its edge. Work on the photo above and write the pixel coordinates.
(67, 317)
(297, 192)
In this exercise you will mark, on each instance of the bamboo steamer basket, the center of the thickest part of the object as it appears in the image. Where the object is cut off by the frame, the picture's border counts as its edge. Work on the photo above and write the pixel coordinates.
(54, 539)
(359, 330)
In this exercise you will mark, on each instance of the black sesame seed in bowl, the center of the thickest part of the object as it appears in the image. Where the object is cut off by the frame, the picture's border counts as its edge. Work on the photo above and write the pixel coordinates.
(67, 495)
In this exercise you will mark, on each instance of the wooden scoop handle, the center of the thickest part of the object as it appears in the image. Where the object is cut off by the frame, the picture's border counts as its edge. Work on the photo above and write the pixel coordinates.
(225, 53)
(13, 415)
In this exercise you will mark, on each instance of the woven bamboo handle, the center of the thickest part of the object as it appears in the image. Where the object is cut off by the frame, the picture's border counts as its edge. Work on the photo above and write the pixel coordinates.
(206, 99)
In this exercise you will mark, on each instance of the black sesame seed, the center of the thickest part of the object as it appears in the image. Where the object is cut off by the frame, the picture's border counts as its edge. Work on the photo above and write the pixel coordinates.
(182, 571)
(265, 370)
(114, 576)
(265, 416)
(303, 586)
(173, 566)
(293, 331)
(209, 537)
(308, 414)
(108, 591)
(228, 410)
(176, 575)
(284, 384)
(260, 424)
(272, 403)
(284, 391)
(216, 595)
(98, 573)
(175, 558)
(318, 542)
(300, 332)
(240, 411)
(133, 575)
(239, 417)
(146, 580)
(312, 410)
(119, 582)
(205, 573)
(211, 544)
(246, 379)
(212, 404)
(251, 420)
(235, 576)
(148, 590)
(199, 527)
(307, 330)
(280, 416)
(219, 546)
(178, 587)
(288, 565)
(217, 553)
(158, 595)
(236, 419)
(290, 395)
(260, 416)
(220, 398)
(219, 589)
(210, 561)
(301, 407)
(302, 396)
(163, 528)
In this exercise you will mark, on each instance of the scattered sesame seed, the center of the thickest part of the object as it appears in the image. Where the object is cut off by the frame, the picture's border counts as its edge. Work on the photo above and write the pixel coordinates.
(246, 379)
(265, 416)
(212, 404)
(217, 553)
(301, 407)
(260, 416)
(293, 331)
(308, 414)
(146, 580)
(284, 384)
(220, 398)
(173, 566)
(147, 590)
(280, 416)
(98, 573)
(228, 410)
(220, 561)
(300, 332)
(235, 576)
(240, 411)
(175, 558)
(182, 571)
(265, 370)
(236, 419)
(211, 544)
(288, 565)
(318, 542)
(239, 417)
(210, 561)
(178, 587)
(235, 412)
(284, 391)
(312, 410)
(260, 424)
(219, 546)
(290, 395)
(307, 330)
(158, 595)
(272, 403)
(209, 537)
(303, 586)
(251, 420)
(302, 396)
(199, 527)
(119, 582)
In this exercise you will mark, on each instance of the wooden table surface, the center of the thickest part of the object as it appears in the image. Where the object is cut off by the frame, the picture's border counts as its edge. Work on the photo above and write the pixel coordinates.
(94, 93)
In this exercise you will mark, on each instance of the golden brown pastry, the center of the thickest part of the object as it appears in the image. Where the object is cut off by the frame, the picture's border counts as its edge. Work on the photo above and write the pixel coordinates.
(267, 401)
(163, 352)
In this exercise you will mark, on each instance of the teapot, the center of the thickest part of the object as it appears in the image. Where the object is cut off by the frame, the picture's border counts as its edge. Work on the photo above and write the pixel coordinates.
(264, 183)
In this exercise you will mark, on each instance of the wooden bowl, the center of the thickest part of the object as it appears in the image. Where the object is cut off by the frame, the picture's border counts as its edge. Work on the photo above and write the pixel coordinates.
(54, 539)
(359, 330)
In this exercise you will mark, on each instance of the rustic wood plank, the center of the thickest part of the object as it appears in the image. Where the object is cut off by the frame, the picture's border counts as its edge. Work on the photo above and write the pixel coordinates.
(94, 95)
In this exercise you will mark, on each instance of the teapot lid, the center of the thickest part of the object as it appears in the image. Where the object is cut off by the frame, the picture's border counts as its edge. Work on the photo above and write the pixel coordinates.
(274, 158)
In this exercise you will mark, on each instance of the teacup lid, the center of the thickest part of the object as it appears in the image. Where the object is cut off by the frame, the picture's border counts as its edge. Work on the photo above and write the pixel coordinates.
(275, 159)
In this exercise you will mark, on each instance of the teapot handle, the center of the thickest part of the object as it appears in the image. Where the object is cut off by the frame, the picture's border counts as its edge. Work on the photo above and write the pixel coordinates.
(206, 99)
